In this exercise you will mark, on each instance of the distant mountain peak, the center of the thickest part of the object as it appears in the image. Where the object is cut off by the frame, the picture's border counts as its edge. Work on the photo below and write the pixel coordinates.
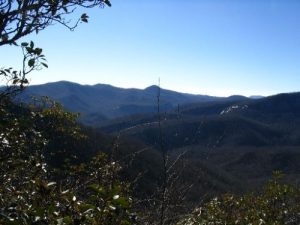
(60, 82)
(109, 101)
(256, 96)
(152, 87)
(237, 97)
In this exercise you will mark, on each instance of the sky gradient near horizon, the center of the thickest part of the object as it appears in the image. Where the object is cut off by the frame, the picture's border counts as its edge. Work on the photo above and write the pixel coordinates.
(214, 47)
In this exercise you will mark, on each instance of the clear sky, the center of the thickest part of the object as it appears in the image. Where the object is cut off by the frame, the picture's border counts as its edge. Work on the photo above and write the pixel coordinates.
(215, 47)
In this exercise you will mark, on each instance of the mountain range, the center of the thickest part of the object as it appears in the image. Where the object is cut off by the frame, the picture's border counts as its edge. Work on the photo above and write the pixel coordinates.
(102, 102)
(230, 142)
(192, 119)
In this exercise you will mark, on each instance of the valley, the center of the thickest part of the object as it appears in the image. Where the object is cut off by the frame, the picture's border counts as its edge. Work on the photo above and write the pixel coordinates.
(230, 144)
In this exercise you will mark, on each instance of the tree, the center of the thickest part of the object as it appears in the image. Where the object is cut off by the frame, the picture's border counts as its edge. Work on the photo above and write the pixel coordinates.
(165, 206)
(19, 18)
(32, 191)
(277, 204)
(33, 59)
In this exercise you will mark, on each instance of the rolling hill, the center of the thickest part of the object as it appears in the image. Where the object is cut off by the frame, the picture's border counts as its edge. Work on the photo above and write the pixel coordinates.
(187, 119)
(270, 121)
(232, 144)
(100, 102)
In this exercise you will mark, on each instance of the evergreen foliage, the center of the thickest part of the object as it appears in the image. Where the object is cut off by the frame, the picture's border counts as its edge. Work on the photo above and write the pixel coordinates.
(32, 192)
(277, 204)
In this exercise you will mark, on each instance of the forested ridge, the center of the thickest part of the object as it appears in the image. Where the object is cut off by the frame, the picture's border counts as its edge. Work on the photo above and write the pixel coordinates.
(56, 171)
(161, 158)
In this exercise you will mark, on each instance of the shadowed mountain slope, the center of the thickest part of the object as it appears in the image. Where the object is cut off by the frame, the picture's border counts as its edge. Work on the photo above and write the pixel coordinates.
(103, 101)
(271, 121)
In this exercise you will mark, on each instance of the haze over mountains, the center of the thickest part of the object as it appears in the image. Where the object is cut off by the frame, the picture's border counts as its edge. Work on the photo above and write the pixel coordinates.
(193, 119)
(271, 121)
(104, 101)
(237, 141)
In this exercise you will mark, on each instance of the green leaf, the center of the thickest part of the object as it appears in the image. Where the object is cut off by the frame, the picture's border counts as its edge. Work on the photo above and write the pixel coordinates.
(3, 72)
(38, 51)
(67, 220)
(28, 49)
(84, 17)
(125, 222)
(84, 20)
(31, 62)
(85, 207)
(123, 202)
(107, 2)
(24, 44)
(16, 80)
(44, 64)
(51, 208)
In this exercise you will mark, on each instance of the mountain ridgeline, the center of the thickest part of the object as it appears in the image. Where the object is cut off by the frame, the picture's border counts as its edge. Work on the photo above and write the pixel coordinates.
(232, 144)
(102, 102)
(187, 119)
(270, 121)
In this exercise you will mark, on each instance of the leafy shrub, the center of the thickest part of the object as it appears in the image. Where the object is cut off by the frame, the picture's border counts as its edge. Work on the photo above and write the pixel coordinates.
(278, 204)
(32, 192)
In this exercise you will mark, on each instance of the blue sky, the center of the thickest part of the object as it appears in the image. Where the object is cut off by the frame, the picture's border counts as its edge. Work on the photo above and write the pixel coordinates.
(215, 47)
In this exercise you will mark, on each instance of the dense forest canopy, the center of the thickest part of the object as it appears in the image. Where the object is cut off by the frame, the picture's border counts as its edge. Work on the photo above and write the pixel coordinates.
(54, 170)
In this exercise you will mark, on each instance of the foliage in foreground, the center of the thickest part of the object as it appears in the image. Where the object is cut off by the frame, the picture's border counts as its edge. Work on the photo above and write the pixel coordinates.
(32, 192)
(278, 204)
